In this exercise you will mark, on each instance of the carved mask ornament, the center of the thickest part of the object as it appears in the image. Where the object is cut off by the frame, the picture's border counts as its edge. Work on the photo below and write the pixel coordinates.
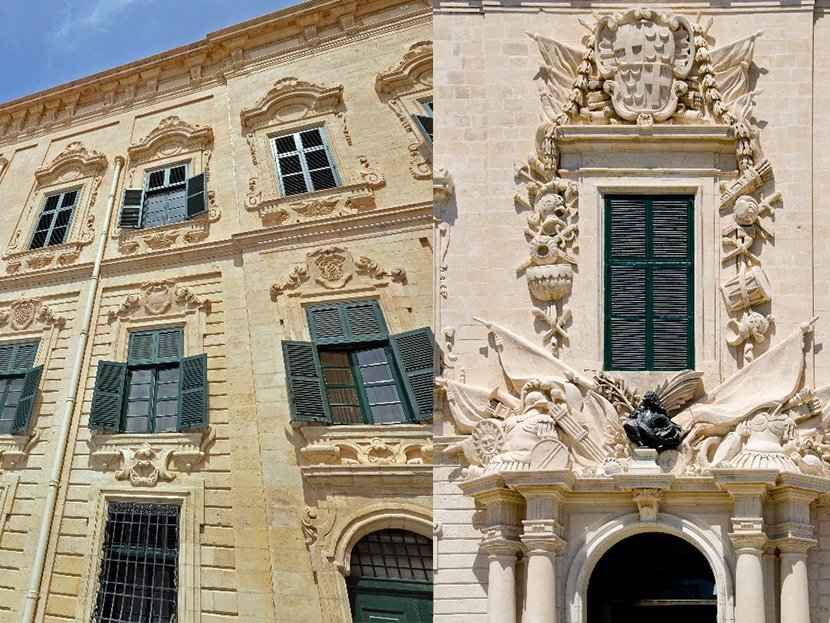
(643, 55)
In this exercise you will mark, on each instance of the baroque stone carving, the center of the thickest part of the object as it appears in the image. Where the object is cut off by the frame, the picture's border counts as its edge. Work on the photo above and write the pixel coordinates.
(648, 66)
(648, 503)
(73, 162)
(157, 297)
(332, 268)
(24, 311)
(374, 451)
(172, 135)
(291, 99)
(549, 416)
(144, 460)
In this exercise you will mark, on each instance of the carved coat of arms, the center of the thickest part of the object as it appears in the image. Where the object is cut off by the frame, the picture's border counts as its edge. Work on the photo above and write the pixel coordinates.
(644, 55)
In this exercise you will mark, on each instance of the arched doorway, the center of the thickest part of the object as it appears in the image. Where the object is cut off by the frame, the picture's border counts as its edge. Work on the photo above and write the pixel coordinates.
(390, 579)
(651, 578)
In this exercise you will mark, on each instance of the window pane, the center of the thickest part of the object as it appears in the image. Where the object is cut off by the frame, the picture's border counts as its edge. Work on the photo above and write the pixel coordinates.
(178, 175)
(334, 358)
(8, 412)
(138, 407)
(285, 144)
(69, 199)
(169, 375)
(12, 398)
(51, 203)
(379, 394)
(388, 414)
(58, 236)
(346, 415)
(144, 375)
(140, 390)
(339, 377)
(156, 179)
(138, 425)
(323, 179)
(166, 424)
(168, 390)
(294, 184)
(317, 159)
(393, 554)
(62, 218)
(167, 407)
(38, 239)
(371, 356)
(45, 222)
(16, 384)
(342, 396)
(311, 138)
(290, 164)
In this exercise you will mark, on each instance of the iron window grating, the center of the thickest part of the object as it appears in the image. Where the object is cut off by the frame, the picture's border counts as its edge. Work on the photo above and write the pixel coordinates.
(393, 554)
(139, 569)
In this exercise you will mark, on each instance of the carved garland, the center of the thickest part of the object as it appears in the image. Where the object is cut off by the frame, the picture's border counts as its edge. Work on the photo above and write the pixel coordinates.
(332, 268)
(411, 77)
(75, 162)
(292, 100)
(696, 85)
(158, 297)
(171, 137)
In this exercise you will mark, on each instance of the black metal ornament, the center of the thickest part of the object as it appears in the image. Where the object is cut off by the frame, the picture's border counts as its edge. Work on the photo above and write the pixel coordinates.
(649, 426)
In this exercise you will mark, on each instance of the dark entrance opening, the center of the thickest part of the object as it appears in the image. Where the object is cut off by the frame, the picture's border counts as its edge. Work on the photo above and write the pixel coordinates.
(651, 578)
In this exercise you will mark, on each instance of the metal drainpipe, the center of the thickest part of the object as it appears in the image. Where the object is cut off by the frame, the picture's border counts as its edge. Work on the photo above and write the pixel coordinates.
(33, 593)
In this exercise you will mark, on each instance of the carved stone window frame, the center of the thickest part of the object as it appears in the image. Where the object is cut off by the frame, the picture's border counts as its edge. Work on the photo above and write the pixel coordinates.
(143, 459)
(174, 141)
(292, 106)
(403, 87)
(28, 320)
(75, 167)
(191, 499)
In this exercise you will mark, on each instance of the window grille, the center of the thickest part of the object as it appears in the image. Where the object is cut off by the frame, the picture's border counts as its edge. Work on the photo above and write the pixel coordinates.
(139, 570)
(393, 554)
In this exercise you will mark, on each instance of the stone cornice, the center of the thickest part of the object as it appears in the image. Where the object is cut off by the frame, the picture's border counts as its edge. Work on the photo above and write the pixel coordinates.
(564, 6)
(311, 26)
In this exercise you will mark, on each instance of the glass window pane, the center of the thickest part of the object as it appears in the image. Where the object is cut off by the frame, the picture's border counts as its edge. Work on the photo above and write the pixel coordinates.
(144, 375)
(343, 396)
(16, 384)
(168, 375)
(166, 424)
(8, 412)
(347, 415)
(294, 184)
(370, 356)
(285, 144)
(334, 358)
(140, 390)
(317, 159)
(311, 138)
(62, 218)
(338, 376)
(137, 425)
(12, 398)
(388, 414)
(382, 394)
(5, 426)
(322, 179)
(376, 374)
(51, 203)
(290, 165)
(4, 383)
(168, 390)
(58, 236)
(167, 407)
(138, 407)
(178, 175)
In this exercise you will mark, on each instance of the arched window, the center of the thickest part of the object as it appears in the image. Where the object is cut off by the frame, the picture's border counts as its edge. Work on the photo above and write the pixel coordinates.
(391, 578)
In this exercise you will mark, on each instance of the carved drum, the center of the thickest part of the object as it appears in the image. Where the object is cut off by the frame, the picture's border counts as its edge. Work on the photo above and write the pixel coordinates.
(749, 287)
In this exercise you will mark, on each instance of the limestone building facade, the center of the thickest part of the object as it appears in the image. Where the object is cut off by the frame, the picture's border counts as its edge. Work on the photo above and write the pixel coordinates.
(215, 300)
(632, 200)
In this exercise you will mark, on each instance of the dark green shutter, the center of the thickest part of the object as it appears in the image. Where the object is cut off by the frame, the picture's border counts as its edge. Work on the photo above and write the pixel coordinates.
(159, 346)
(425, 124)
(168, 344)
(196, 196)
(414, 354)
(131, 208)
(108, 397)
(347, 323)
(17, 358)
(303, 378)
(649, 310)
(6, 357)
(193, 407)
(27, 401)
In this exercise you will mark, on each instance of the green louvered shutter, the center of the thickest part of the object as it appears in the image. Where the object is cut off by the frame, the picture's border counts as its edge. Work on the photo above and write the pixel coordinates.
(23, 413)
(347, 323)
(168, 345)
(159, 346)
(193, 402)
(142, 348)
(108, 397)
(303, 377)
(196, 196)
(649, 310)
(7, 352)
(132, 206)
(414, 354)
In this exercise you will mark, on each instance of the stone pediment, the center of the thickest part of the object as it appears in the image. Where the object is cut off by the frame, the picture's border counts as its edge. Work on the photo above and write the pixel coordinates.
(548, 417)
(414, 70)
(172, 135)
(291, 99)
(73, 162)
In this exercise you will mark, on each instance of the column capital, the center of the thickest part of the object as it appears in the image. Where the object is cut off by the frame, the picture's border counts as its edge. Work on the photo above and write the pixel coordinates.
(748, 542)
(794, 545)
(542, 537)
(498, 547)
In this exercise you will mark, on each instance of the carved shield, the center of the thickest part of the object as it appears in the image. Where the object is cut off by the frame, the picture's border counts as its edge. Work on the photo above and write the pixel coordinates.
(642, 54)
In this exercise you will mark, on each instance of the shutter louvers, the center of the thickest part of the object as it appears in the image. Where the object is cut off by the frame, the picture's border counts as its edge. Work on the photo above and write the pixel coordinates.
(169, 345)
(108, 396)
(6, 357)
(23, 412)
(196, 196)
(193, 407)
(131, 208)
(365, 322)
(303, 377)
(24, 356)
(327, 325)
(649, 281)
(414, 354)
(142, 347)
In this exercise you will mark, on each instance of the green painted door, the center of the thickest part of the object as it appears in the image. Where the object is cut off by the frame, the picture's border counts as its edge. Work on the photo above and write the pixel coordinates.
(376, 600)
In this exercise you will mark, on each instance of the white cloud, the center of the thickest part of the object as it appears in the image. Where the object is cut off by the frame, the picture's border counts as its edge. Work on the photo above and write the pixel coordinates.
(98, 15)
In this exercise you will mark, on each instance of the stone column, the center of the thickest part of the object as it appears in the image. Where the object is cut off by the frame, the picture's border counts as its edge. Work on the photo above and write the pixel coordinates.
(501, 579)
(750, 602)
(795, 597)
(541, 577)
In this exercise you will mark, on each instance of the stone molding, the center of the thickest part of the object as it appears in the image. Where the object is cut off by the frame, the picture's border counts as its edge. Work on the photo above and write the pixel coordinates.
(332, 268)
(158, 297)
(73, 162)
(291, 99)
(376, 446)
(25, 311)
(145, 459)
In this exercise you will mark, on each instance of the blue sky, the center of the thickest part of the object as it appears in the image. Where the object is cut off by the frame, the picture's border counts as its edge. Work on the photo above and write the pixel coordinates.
(49, 42)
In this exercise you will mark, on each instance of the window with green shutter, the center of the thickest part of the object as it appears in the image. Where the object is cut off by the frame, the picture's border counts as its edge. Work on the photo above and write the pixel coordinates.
(156, 391)
(19, 381)
(649, 282)
(304, 162)
(53, 225)
(424, 121)
(168, 196)
(354, 372)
